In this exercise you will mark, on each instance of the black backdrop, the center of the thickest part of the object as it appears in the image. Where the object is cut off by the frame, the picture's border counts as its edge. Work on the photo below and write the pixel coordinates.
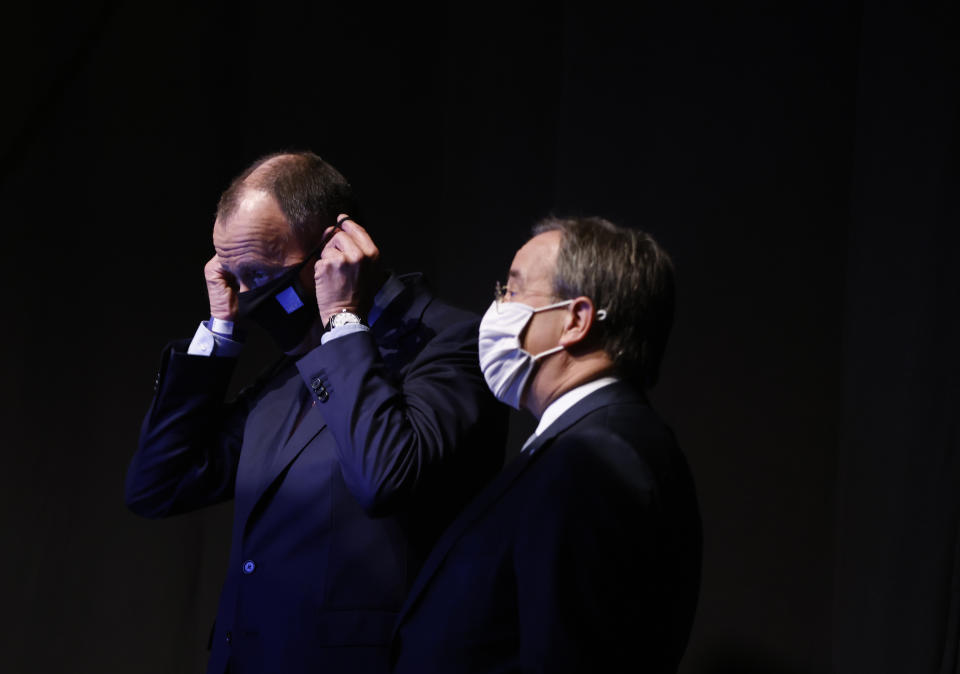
(800, 164)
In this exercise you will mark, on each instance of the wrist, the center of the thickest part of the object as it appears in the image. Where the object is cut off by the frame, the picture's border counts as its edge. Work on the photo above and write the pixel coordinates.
(223, 315)
(343, 317)
(327, 313)
(224, 308)
(221, 326)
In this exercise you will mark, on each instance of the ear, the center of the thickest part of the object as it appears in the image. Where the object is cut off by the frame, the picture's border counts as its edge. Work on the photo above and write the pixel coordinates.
(577, 322)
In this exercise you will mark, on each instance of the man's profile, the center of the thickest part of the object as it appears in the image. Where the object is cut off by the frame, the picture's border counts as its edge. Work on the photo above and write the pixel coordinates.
(583, 555)
(348, 457)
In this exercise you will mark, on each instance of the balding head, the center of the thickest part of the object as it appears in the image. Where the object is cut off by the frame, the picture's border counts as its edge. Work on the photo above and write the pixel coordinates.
(309, 191)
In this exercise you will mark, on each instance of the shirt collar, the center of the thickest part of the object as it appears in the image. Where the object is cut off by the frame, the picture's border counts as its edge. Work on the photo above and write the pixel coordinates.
(568, 400)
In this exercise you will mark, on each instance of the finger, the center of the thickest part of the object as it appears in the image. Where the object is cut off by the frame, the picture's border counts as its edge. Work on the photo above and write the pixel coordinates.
(330, 245)
(214, 266)
(344, 242)
(329, 231)
(360, 237)
(329, 257)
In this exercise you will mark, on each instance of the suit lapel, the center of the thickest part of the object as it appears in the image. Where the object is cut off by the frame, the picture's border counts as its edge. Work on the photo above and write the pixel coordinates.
(279, 410)
(400, 317)
(467, 517)
(616, 392)
(404, 313)
(311, 424)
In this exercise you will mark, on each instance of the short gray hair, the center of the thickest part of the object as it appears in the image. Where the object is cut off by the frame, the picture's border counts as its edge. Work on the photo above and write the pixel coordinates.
(626, 274)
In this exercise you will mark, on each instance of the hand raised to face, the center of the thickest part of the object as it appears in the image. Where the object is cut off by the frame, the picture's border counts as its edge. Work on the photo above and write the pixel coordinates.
(221, 290)
(347, 271)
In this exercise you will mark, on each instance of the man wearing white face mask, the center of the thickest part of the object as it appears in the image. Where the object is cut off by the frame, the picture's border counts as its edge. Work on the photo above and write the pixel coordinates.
(583, 555)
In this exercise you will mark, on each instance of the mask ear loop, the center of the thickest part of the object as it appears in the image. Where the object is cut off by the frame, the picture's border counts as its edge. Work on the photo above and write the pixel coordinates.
(555, 305)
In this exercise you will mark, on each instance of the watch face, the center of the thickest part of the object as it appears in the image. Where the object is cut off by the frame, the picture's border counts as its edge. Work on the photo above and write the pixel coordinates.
(343, 318)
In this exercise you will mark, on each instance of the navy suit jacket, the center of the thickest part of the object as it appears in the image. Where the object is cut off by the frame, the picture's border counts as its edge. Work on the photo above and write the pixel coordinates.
(583, 555)
(332, 516)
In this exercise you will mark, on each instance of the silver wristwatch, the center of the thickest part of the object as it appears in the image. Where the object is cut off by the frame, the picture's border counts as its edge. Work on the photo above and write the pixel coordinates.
(343, 317)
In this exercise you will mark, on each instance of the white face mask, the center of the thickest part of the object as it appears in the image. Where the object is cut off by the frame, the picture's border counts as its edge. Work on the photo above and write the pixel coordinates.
(505, 365)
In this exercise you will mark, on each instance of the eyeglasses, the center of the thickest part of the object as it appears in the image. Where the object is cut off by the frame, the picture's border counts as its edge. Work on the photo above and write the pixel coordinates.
(503, 293)
(499, 292)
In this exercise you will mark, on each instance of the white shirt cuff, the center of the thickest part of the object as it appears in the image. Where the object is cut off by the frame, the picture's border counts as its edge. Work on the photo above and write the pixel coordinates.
(343, 330)
(208, 343)
(221, 327)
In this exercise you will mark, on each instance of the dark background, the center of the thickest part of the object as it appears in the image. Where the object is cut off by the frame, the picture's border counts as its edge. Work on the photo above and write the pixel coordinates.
(799, 163)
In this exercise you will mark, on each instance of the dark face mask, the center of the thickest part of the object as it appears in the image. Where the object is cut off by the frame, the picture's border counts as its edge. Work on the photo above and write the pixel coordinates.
(282, 307)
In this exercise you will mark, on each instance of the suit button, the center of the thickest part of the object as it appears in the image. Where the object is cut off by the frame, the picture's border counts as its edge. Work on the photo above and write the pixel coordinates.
(229, 637)
(319, 389)
(249, 567)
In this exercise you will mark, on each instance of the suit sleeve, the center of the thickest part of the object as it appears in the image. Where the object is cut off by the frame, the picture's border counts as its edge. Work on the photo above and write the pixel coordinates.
(189, 440)
(585, 560)
(398, 430)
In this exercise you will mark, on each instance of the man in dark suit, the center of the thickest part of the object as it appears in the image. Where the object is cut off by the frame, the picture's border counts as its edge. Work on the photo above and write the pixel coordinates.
(583, 555)
(348, 458)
